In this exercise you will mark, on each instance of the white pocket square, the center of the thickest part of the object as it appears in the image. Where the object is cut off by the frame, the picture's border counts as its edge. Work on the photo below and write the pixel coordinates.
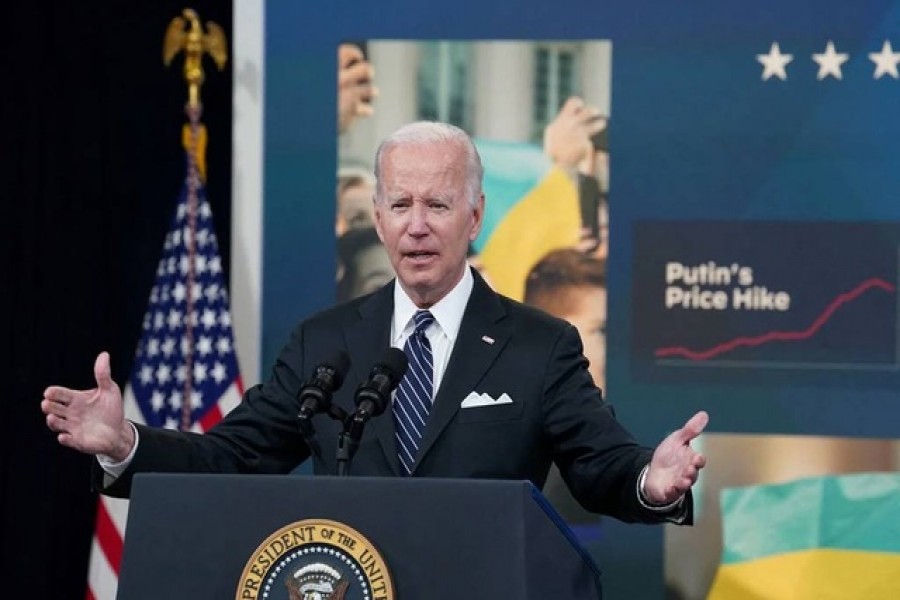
(475, 399)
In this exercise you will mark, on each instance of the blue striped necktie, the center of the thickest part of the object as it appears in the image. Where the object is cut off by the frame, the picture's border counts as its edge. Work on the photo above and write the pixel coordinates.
(412, 402)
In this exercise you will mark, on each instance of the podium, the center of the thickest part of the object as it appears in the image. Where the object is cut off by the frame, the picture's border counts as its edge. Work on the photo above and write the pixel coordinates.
(212, 536)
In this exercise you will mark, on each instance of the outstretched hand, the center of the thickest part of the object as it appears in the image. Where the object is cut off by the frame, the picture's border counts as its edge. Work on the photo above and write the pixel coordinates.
(92, 421)
(675, 465)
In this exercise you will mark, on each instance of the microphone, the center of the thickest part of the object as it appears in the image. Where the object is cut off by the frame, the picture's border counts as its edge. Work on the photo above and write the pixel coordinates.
(327, 377)
(372, 397)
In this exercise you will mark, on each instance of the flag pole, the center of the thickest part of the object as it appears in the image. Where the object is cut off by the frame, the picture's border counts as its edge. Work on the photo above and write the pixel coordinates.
(185, 33)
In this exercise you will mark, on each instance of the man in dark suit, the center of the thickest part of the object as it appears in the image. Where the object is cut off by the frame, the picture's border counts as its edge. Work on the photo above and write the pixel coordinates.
(495, 389)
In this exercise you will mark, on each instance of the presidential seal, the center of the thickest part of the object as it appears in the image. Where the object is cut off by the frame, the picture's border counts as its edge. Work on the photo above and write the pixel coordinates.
(315, 559)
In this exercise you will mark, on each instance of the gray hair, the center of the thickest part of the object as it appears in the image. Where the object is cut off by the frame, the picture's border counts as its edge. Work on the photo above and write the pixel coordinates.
(423, 132)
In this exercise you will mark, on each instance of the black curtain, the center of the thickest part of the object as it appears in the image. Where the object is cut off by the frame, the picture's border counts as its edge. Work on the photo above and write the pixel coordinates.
(90, 174)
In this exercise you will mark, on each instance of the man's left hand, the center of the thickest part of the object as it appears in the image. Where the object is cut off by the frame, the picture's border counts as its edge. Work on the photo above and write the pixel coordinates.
(675, 465)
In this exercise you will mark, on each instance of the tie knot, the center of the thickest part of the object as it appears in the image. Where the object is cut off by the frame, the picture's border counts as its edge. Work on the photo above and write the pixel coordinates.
(423, 319)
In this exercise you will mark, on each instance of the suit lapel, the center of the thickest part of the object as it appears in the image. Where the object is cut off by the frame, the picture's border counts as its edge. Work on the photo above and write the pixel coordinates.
(482, 335)
(367, 340)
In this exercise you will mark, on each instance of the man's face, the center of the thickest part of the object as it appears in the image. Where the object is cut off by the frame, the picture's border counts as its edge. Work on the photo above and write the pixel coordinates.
(588, 315)
(424, 217)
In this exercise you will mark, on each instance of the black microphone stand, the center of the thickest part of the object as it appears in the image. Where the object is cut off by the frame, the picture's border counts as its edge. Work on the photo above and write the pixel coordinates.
(347, 446)
(368, 401)
(309, 434)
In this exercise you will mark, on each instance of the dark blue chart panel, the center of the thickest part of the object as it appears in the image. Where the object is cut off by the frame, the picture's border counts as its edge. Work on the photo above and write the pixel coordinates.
(766, 302)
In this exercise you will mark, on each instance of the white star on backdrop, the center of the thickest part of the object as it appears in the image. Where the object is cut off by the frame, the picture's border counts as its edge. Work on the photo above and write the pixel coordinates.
(885, 61)
(830, 62)
(774, 63)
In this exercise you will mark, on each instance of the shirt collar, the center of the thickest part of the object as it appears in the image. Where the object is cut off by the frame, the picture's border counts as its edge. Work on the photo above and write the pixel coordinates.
(447, 312)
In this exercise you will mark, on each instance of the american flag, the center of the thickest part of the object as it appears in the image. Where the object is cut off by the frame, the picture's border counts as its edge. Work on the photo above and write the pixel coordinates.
(185, 374)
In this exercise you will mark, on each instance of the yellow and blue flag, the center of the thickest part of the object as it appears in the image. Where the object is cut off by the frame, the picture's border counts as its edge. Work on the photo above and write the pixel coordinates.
(825, 537)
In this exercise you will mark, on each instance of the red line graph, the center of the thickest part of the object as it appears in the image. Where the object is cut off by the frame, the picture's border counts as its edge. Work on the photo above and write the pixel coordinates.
(778, 336)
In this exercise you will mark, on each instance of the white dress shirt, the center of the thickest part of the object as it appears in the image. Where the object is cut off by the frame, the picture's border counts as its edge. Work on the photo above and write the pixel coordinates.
(441, 334)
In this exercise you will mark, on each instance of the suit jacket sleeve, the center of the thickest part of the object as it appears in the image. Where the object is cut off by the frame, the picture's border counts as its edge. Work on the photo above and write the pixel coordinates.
(259, 436)
(597, 457)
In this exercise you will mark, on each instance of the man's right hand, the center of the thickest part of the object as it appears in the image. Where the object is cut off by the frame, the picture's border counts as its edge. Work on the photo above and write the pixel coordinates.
(92, 421)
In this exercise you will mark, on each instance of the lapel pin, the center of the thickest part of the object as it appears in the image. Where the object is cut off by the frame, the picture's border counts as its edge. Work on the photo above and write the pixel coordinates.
(487, 339)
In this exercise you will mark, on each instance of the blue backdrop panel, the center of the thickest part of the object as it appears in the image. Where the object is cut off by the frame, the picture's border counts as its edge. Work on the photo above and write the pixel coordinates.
(698, 135)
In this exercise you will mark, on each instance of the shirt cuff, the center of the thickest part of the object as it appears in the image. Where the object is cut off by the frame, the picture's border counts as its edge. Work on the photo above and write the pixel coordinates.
(642, 496)
(115, 469)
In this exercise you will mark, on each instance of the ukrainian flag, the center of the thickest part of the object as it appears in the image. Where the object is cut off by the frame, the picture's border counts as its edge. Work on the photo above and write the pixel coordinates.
(531, 208)
(826, 537)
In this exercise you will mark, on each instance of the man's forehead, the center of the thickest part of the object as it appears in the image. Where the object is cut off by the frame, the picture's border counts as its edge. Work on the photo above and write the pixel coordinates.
(421, 168)
(410, 152)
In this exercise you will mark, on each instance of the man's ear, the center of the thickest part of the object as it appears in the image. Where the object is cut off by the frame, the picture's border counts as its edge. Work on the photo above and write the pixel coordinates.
(478, 218)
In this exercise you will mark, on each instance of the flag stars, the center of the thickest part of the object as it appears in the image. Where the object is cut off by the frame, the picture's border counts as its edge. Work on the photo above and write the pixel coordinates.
(204, 345)
(174, 319)
(176, 400)
(185, 360)
(219, 373)
(163, 374)
(179, 292)
(885, 61)
(774, 63)
(830, 62)
(157, 401)
(199, 372)
(146, 375)
(212, 290)
(223, 346)
(199, 264)
(209, 318)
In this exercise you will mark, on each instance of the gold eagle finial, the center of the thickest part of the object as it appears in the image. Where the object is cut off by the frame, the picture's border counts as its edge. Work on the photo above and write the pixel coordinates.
(185, 33)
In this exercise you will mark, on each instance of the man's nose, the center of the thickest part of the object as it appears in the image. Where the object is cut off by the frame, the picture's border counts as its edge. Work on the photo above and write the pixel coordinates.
(418, 220)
